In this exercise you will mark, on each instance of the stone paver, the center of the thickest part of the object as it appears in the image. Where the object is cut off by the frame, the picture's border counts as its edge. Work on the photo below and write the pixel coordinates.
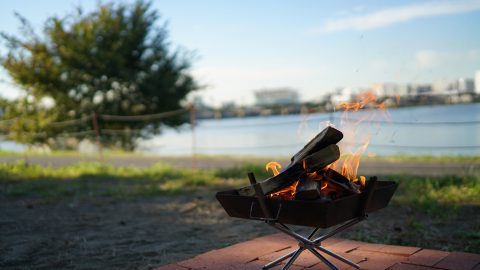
(255, 253)
(427, 257)
(459, 261)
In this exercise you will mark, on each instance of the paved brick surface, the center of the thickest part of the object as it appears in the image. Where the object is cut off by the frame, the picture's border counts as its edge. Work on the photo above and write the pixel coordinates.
(255, 253)
(459, 261)
(427, 257)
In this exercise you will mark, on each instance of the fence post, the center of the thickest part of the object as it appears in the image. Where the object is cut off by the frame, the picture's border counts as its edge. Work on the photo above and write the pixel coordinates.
(194, 141)
(96, 127)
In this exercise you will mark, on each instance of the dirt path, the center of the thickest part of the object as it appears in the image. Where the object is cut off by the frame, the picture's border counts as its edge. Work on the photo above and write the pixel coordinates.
(107, 234)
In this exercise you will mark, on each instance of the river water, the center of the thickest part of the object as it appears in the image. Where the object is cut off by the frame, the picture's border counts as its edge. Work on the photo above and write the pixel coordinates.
(428, 130)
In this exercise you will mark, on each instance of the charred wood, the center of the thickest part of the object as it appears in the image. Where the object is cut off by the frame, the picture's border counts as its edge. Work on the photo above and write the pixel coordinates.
(321, 158)
(325, 138)
(294, 171)
(336, 179)
(307, 189)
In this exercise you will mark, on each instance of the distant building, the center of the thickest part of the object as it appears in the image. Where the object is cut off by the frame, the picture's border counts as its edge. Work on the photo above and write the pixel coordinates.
(393, 89)
(461, 86)
(477, 82)
(465, 85)
(423, 89)
(276, 96)
(442, 86)
(342, 94)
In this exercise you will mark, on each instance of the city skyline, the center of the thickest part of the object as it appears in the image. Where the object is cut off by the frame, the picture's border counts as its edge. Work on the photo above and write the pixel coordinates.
(313, 47)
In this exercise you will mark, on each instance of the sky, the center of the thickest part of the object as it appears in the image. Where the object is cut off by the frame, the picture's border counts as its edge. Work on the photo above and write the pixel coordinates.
(311, 46)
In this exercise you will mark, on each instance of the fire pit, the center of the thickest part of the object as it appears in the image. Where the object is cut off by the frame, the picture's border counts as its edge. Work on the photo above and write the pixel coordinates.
(309, 193)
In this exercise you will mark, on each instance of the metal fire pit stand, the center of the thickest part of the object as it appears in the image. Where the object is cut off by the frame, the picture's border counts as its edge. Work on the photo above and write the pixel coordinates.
(314, 245)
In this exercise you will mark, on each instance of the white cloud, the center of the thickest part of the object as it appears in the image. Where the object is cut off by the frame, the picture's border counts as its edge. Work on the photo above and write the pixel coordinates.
(389, 16)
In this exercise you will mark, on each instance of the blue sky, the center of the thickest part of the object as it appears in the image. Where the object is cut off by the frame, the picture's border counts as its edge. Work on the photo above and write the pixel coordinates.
(313, 46)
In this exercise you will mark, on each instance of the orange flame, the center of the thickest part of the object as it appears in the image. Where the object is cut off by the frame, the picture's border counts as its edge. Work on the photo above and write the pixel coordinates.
(351, 161)
(324, 186)
(287, 193)
(363, 100)
(350, 164)
(274, 167)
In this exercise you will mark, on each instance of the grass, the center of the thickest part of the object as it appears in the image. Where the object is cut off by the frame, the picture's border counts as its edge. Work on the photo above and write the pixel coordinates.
(94, 179)
(430, 192)
(20, 179)
(426, 158)
(435, 212)
(431, 212)
(125, 154)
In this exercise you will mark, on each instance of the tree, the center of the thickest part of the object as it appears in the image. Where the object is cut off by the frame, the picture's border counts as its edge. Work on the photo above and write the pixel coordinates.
(114, 61)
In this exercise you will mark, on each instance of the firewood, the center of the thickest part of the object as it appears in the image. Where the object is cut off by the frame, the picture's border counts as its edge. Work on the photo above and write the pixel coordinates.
(295, 169)
(336, 179)
(321, 158)
(287, 177)
(294, 172)
(325, 138)
(307, 189)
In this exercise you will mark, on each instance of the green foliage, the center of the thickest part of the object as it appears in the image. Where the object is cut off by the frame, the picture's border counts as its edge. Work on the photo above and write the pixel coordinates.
(241, 172)
(115, 60)
(430, 192)
(95, 179)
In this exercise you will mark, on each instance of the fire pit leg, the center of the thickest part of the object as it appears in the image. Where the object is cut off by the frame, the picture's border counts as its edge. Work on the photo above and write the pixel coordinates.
(312, 245)
(338, 257)
(286, 256)
(293, 259)
(323, 259)
(279, 260)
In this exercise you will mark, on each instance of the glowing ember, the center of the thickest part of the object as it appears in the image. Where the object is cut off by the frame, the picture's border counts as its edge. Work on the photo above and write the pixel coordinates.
(324, 186)
(287, 193)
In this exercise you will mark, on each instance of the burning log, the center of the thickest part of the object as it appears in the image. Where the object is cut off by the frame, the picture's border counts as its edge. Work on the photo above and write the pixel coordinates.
(295, 170)
(339, 180)
(325, 138)
(326, 184)
(308, 189)
(320, 159)
(329, 136)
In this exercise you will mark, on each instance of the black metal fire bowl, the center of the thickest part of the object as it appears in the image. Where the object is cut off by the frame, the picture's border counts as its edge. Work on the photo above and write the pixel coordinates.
(316, 213)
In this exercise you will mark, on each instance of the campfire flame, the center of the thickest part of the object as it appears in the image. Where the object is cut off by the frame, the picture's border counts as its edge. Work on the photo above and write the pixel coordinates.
(274, 167)
(350, 159)
(287, 193)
